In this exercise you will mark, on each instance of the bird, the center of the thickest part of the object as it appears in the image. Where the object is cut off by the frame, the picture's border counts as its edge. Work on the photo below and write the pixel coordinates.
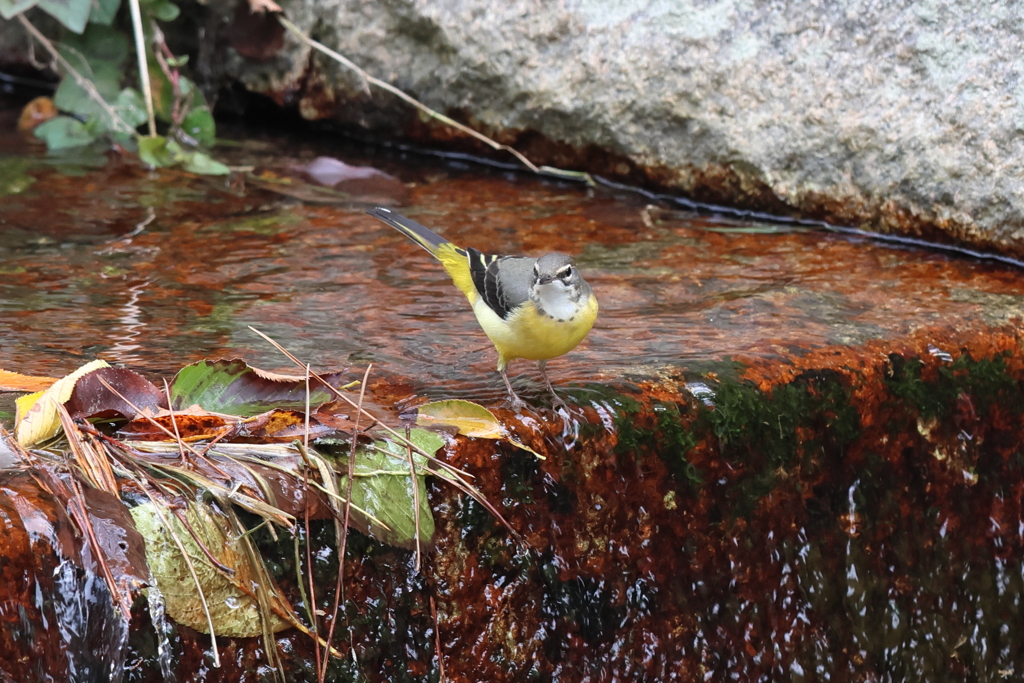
(530, 308)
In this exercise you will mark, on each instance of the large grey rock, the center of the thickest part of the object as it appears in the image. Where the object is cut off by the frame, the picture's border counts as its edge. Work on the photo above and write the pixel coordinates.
(897, 116)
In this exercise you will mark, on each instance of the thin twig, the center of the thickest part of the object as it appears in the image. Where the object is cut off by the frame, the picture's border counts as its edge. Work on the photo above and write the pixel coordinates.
(192, 570)
(415, 496)
(182, 446)
(339, 586)
(139, 227)
(174, 423)
(313, 625)
(267, 599)
(95, 469)
(140, 52)
(13, 444)
(367, 78)
(305, 433)
(437, 641)
(199, 542)
(81, 80)
(180, 109)
(454, 475)
(310, 608)
(165, 430)
(78, 504)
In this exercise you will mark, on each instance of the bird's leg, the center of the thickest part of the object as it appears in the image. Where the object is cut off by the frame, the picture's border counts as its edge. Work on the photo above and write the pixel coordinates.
(555, 398)
(513, 398)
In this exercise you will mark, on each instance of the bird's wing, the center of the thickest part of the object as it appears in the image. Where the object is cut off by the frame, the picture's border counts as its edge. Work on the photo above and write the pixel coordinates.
(503, 282)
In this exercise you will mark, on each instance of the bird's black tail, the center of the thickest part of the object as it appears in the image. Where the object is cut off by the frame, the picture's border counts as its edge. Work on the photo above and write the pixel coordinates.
(423, 236)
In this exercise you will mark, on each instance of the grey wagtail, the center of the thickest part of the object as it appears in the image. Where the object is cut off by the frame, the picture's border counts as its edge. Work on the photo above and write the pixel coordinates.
(534, 308)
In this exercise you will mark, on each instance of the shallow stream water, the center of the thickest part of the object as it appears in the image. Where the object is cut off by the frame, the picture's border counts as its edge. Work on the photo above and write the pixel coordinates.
(100, 257)
(337, 287)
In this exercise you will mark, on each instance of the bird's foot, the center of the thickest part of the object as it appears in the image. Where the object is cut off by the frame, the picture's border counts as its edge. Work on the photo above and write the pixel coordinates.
(558, 402)
(516, 403)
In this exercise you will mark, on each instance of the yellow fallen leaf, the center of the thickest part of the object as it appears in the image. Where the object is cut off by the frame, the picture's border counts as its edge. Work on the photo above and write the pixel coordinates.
(37, 418)
(471, 419)
(14, 381)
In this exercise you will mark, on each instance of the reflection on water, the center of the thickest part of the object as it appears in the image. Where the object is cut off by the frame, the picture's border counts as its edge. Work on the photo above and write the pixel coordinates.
(333, 285)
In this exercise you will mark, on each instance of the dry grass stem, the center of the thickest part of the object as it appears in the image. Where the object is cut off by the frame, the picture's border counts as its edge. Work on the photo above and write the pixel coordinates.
(192, 571)
(181, 444)
(415, 498)
(437, 641)
(305, 433)
(81, 80)
(174, 423)
(339, 586)
(76, 504)
(455, 473)
(452, 474)
(94, 467)
(140, 52)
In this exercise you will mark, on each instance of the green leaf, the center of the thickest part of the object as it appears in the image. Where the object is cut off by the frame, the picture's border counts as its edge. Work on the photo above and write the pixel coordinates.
(10, 8)
(189, 92)
(234, 610)
(96, 126)
(236, 388)
(130, 107)
(383, 487)
(166, 11)
(158, 151)
(200, 162)
(105, 77)
(101, 45)
(72, 13)
(199, 125)
(71, 97)
(129, 141)
(424, 439)
(63, 132)
(104, 11)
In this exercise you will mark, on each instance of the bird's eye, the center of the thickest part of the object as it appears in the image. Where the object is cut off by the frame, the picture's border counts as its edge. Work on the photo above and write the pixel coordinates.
(566, 273)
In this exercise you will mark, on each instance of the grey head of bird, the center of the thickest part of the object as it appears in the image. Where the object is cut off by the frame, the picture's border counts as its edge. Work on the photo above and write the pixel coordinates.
(557, 287)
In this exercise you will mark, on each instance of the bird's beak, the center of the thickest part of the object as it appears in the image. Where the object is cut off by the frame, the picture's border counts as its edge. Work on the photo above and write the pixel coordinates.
(545, 280)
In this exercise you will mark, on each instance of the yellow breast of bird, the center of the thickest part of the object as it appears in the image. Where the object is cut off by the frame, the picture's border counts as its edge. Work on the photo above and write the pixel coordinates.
(528, 334)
